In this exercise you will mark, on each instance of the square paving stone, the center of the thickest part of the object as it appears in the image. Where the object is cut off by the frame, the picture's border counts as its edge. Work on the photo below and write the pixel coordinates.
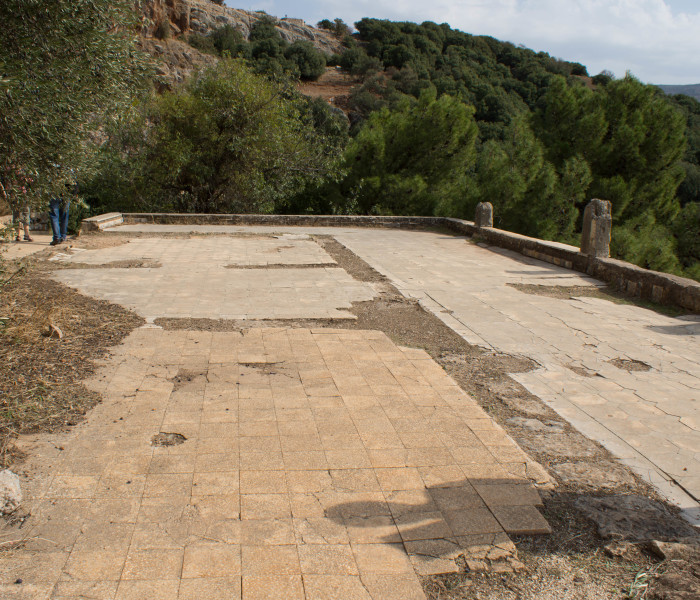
(335, 587)
(521, 520)
(265, 506)
(327, 559)
(153, 589)
(153, 563)
(211, 560)
(372, 530)
(472, 521)
(263, 560)
(276, 587)
(381, 559)
(211, 588)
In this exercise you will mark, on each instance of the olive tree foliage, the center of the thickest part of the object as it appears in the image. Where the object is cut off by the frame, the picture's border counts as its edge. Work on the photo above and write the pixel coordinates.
(229, 141)
(65, 67)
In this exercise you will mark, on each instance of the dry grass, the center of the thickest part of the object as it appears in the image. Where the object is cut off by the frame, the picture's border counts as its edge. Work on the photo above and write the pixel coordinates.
(40, 375)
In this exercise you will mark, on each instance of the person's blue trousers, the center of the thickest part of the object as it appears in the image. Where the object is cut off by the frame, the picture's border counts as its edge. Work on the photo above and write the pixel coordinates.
(58, 214)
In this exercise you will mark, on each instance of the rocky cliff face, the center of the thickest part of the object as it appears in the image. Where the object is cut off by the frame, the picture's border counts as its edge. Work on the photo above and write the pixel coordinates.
(176, 59)
(202, 16)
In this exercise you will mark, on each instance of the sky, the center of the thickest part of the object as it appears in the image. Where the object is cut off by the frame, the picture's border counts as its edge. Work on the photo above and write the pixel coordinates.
(658, 41)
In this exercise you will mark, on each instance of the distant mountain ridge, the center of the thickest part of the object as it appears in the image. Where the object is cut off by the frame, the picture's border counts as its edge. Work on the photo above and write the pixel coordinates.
(692, 90)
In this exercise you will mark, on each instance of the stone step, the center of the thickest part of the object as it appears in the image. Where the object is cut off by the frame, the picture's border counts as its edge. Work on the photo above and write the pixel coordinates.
(102, 222)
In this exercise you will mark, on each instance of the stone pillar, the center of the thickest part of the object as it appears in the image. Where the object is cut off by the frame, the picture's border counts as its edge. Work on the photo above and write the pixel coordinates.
(484, 215)
(597, 227)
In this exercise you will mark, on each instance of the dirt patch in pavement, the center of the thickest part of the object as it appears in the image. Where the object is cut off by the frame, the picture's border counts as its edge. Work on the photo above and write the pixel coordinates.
(630, 365)
(168, 439)
(135, 263)
(93, 242)
(572, 292)
(284, 266)
(40, 376)
(581, 370)
(188, 379)
(348, 260)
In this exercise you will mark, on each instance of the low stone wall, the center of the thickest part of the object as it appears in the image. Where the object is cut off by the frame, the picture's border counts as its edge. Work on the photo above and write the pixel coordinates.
(287, 220)
(651, 285)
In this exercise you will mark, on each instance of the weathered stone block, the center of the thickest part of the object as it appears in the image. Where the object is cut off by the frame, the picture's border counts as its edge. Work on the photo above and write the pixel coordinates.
(484, 215)
(597, 227)
(10, 492)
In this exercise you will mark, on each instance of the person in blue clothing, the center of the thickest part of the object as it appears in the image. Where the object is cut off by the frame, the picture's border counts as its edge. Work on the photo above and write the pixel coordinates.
(58, 215)
(59, 210)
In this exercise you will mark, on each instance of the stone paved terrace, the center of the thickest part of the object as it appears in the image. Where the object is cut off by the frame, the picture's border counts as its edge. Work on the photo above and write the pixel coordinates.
(320, 462)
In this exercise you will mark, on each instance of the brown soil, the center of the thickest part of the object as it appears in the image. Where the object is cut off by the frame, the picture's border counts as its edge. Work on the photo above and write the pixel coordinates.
(117, 264)
(283, 266)
(333, 86)
(188, 379)
(168, 439)
(591, 291)
(94, 242)
(581, 370)
(40, 376)
(630, 365)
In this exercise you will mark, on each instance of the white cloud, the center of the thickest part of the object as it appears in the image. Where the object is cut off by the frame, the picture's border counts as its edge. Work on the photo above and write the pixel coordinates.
(648, 37)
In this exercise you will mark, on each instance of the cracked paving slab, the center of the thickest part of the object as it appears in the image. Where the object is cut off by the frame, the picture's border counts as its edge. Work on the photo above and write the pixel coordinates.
(314, 463)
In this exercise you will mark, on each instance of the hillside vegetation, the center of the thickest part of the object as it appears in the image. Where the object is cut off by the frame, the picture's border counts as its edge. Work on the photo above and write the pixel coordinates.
(439, 120)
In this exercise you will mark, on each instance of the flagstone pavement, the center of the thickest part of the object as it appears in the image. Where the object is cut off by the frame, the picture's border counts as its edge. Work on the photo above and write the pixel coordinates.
(327, 463)
(317, 464)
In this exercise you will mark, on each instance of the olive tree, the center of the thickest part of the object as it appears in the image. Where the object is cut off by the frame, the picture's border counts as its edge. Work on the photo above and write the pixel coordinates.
(65, 66)
(228, 141)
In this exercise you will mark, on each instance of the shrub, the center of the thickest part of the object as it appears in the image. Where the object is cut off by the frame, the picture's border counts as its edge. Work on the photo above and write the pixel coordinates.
(229, 141)
(311, 62)
(162, 31)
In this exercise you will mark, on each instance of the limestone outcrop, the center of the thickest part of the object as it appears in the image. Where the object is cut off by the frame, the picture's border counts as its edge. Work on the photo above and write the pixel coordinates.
(203, 16)
(165, 25)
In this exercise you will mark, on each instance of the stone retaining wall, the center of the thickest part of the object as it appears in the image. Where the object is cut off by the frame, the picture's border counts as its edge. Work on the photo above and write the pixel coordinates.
(651, 285)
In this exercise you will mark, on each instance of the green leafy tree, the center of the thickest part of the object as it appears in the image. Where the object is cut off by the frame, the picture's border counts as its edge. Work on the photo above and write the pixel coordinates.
(686, 229)
(229, 142)
(516, 178)
(337, 27)
(570, 121)
(66, 65)
(637, 165)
